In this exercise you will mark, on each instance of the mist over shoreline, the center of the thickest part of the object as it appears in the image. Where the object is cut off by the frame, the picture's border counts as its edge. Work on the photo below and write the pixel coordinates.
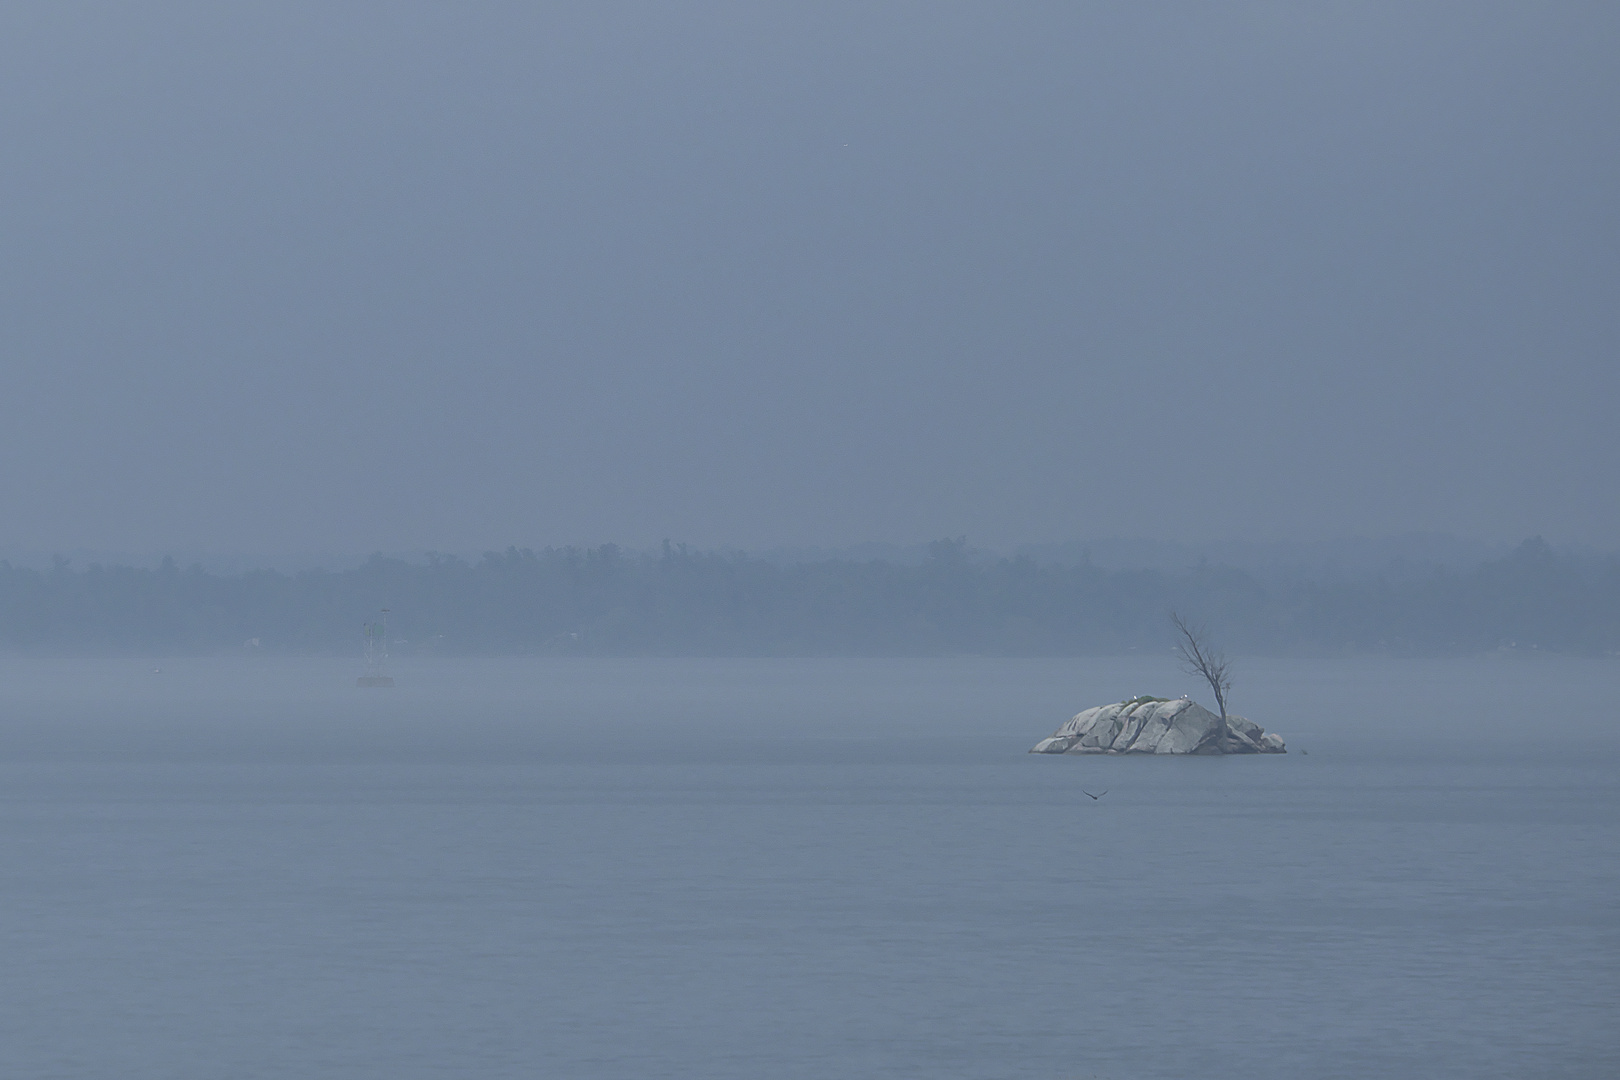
(1336, 557)
(944, 598)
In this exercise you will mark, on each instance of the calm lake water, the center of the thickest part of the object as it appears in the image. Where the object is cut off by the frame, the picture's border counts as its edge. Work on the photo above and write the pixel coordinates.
(803, 868)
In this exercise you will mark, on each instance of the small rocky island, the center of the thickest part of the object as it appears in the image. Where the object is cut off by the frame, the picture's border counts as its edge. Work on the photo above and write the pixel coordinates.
(1150, 725)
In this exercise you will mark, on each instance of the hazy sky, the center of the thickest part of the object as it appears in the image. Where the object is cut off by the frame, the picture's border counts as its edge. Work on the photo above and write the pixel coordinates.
(343, 276)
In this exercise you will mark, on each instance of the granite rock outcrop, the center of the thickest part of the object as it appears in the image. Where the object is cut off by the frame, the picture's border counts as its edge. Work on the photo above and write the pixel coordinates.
(1148, 725)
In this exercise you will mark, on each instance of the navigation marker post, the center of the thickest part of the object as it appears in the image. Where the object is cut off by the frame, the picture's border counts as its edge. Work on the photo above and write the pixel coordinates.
(376, 654)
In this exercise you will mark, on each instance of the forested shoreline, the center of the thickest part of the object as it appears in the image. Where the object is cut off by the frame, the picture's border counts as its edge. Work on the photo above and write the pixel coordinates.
(606, 601)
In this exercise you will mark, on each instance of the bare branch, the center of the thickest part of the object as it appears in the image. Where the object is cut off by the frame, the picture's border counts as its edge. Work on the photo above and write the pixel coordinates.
(1198, 658)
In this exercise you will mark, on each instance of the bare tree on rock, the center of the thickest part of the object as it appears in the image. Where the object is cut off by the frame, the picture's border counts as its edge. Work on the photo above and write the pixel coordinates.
(1199, 658)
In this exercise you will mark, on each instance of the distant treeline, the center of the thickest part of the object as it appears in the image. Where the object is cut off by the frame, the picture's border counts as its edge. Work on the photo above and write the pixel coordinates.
(681, 602)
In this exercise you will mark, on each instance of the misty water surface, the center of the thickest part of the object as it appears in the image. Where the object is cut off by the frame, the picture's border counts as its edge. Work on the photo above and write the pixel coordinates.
(808, 868)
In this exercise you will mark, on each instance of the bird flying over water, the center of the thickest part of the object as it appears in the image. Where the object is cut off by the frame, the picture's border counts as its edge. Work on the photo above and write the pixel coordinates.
(1083, 791)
